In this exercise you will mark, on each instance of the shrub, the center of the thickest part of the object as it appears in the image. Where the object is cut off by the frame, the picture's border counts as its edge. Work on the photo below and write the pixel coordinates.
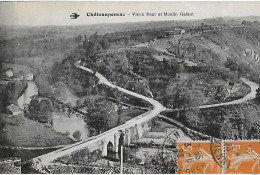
(77, 135)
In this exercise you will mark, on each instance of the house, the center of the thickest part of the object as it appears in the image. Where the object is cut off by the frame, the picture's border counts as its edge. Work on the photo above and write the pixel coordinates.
(14, 110)
(249, 51)
(9, 74)
(176, 32)
(180, 31)
(253, 54)
(217, 27)
(29, 76)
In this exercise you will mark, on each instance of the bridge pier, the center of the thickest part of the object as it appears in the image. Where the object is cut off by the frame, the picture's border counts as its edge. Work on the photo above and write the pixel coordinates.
(139, 130)
(104, 148)
(127, 138)
(116, 142)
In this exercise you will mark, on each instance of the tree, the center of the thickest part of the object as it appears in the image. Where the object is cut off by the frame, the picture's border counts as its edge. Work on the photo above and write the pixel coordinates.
(40, 109)
(192, 117)
(179, 97)
(101, 115)
(246, 23)
(77, 135)
(104, 43)
(231, 64)
(43, 84)
(161, 163)
(258, 94)
(78, 39)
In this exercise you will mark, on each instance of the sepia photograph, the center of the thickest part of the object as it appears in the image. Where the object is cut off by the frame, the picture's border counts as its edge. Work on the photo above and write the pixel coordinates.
(130, 87)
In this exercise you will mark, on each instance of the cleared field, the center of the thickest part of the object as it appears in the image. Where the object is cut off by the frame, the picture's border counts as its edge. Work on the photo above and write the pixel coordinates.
(28, 133)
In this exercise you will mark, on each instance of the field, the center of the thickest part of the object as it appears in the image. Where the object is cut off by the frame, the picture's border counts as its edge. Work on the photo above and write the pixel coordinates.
(24, 132)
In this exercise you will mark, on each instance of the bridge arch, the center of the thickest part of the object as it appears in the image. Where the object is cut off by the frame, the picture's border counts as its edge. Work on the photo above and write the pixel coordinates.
(110, 149)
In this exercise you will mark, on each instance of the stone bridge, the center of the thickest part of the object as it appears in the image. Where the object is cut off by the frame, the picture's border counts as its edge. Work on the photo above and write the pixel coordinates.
(108, 142)
(111, 140)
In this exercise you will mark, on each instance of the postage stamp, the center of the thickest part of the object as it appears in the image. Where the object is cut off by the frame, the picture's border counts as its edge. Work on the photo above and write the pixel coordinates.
(242, 157)
(219, 157)
(199, 157)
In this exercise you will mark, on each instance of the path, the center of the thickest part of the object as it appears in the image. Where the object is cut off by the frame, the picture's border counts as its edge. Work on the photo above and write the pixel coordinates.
(161, 47)
(158, 107)
(249, 96)
(45, 159)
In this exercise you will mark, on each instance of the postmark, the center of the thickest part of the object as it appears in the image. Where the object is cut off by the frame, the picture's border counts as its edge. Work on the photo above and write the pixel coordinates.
(219, 157)
(217, 150)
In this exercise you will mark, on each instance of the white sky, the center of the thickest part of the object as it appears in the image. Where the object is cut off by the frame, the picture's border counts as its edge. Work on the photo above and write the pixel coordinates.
(57, 13)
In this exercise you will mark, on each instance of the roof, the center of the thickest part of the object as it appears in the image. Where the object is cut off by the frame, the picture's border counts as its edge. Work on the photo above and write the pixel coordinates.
(29, 74)
(13, 108)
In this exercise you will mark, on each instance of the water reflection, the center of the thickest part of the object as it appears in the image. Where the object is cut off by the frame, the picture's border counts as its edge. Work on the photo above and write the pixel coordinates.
(30, 91)
(63, 123)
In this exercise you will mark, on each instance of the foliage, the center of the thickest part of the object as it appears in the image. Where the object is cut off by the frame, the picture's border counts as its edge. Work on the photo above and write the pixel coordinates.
(258, 94)
(101, 115)
(179, 97)
(77, 135)
(42, 82)
(161, 163)
(226, 122)
(81, 157)
(76, 79)
(40, 109)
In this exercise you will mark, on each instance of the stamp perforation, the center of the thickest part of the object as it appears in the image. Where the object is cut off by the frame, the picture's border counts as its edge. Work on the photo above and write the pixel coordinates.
(227, 156)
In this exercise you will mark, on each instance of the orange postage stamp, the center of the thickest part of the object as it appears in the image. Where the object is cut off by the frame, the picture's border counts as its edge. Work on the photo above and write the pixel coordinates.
(219, 157)
(200, 157)
(242, 157)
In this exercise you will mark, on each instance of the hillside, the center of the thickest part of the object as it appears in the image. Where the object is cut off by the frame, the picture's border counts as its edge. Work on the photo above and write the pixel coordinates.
(203, 66)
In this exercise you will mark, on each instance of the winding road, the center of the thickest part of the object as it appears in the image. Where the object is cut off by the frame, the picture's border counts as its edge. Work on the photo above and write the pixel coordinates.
(158, 107)
(46, 159)
(249, 96)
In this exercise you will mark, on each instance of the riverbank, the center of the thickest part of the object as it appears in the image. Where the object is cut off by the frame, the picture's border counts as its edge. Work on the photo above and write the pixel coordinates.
(30, 91)
(24, 132)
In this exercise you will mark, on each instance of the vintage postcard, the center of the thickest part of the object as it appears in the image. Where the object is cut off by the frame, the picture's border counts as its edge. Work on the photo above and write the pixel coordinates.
(130, 87)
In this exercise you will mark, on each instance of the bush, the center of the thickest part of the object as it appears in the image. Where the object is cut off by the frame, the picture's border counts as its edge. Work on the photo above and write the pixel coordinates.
(77, 135)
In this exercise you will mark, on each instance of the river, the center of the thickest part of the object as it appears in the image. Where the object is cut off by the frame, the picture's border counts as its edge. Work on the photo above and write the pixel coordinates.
(63, 123)
(30, 91)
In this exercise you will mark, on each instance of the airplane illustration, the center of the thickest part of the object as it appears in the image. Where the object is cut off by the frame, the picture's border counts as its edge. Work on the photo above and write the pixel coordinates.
(74, 16)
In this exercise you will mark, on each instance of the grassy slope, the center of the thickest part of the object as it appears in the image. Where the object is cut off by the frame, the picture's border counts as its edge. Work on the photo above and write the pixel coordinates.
(28, 133)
